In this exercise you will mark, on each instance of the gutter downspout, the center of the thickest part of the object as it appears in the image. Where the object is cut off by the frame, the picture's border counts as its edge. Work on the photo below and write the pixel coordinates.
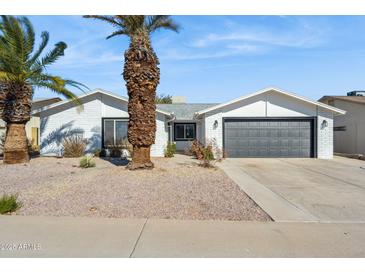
(169, 126)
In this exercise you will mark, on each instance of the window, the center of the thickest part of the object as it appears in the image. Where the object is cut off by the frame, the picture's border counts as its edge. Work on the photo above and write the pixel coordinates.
(115, 130)
(185, 132)
(342, 128)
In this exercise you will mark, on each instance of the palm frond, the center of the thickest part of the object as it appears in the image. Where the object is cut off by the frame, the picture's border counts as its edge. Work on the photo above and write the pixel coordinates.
(42, 45)
(109, 19)
(54, 54)
(20, 62)
(118, 32)
(29, 36)
(161, 21)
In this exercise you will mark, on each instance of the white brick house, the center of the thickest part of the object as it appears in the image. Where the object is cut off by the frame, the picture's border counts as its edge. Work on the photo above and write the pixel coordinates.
(267, 123)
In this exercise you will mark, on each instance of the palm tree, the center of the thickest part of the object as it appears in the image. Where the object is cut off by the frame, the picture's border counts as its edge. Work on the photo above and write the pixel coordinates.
(142, 76)
(22, 68)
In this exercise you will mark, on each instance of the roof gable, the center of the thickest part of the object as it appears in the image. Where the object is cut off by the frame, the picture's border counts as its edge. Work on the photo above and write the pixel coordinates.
(96, 91)
(183, 111)
(271, 89)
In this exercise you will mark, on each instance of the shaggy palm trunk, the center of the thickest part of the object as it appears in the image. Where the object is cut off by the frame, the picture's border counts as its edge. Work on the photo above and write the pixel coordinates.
(15, 109)
(142, 76)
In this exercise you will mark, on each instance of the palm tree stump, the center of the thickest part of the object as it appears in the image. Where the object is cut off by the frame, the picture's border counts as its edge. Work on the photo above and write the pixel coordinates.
(16, 111)
(16, 146)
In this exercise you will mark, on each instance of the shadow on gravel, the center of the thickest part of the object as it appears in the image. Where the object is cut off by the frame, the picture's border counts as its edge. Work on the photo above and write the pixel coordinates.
(116, 161)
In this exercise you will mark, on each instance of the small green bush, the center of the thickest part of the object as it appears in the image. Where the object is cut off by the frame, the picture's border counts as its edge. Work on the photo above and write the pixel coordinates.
(9, 203)
(170, 150)
(87, 161)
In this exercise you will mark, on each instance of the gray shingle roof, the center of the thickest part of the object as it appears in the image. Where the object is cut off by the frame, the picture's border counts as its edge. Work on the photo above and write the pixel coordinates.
(183, 111)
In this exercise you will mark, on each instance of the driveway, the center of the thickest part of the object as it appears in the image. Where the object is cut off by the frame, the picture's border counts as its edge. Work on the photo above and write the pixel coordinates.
(303, 189)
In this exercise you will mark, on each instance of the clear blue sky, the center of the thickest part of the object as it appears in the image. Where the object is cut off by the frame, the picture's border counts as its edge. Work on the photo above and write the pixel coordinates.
(218, 58)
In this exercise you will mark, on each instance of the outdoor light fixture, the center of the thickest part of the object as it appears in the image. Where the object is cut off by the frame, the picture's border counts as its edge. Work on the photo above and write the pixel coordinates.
(215, 125)
(324, 124)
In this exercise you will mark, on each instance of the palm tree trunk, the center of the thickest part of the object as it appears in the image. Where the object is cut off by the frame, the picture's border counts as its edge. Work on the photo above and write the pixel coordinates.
(16, 110)
(142, 76)
(16, 147)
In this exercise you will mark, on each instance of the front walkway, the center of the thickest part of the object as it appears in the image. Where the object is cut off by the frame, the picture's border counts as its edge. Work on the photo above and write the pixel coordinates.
(27, 236)
(305, 190)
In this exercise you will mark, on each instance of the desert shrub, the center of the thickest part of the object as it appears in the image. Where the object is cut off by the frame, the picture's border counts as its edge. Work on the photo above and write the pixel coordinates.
(74, 146)
(117, 151)
(196, 149)
(218, 153)
(9, 203)
(170, 149)
(87, 161)
(208, 157)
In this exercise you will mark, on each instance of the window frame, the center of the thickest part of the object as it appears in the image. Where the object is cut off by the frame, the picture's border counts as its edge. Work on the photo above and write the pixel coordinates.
(114, 119)
(184, 139)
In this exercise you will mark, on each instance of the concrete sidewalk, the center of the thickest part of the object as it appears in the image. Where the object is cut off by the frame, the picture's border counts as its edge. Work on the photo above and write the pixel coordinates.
(100, 237)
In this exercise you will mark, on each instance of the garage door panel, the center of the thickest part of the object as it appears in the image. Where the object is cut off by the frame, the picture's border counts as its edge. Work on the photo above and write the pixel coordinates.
(268, 138)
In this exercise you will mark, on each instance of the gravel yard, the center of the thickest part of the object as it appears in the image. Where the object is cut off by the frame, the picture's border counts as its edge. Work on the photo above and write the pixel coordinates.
(177, 188)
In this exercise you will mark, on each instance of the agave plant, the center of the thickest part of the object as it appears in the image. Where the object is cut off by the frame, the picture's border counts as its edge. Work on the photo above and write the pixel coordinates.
(142, 76)
(23, 68)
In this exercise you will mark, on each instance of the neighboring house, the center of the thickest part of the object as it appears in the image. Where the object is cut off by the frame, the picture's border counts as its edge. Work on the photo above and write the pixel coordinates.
(267, 123)
(32, 127)
(349, 129)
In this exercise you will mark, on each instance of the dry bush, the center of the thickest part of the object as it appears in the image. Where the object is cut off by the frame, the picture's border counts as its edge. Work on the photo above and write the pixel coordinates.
(116, 151)
(74, 146)
(218, 153)
(196, 149)
(208, 157)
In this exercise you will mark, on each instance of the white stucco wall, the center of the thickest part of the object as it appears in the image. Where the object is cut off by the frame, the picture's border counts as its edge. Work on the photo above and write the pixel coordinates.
(64, 120)
(272, 104)
(352, 140)
(324, 134)
(158, 149)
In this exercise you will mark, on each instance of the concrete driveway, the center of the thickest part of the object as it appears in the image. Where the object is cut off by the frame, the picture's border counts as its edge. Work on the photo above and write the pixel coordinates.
(303, 189)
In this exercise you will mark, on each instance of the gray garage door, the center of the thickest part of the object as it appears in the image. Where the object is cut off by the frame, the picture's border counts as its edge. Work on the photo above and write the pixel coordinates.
(268, 138)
